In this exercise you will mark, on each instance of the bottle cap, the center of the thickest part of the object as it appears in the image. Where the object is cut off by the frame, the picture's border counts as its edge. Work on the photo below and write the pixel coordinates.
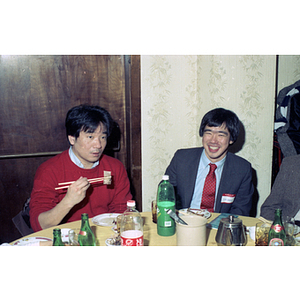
(165, 177)
(130, 203)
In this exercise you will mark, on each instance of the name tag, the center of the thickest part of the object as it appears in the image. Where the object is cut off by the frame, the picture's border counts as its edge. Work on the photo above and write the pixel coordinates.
(227, 198)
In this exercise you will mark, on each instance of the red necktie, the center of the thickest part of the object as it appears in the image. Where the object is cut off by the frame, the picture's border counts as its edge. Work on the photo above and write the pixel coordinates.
(209, 190)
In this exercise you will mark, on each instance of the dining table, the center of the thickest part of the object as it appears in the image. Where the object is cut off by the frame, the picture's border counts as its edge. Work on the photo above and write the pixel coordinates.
(151, 237)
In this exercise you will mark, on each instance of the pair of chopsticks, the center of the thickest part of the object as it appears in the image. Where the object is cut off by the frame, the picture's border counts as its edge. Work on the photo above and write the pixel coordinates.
(106, 180)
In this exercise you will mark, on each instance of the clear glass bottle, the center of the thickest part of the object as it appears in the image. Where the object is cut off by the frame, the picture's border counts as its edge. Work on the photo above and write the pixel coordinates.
(131, 228)
(86, 236)
(277, 236)
(57, 241)
(165, 201)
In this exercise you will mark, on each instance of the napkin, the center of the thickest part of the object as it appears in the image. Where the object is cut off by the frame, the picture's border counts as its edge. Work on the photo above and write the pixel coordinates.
(251, 230)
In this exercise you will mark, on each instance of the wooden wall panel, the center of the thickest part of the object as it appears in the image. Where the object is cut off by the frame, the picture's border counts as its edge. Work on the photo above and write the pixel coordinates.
(35, 94)
(134, 110)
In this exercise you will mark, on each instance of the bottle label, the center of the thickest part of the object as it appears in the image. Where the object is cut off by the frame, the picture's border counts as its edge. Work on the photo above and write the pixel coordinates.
(276, 242)
(277, 228)
(163, 219)
(132, 238)
(82, 232)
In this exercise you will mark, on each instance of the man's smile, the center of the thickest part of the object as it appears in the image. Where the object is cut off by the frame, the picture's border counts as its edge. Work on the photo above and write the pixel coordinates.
(214, 148)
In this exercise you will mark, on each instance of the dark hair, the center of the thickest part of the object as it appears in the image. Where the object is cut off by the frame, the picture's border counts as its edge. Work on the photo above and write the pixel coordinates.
(219, 116)
(87, 117)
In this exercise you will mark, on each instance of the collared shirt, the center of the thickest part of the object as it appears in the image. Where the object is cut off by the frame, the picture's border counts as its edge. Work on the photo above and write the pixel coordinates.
(203, 170)
(76, 160)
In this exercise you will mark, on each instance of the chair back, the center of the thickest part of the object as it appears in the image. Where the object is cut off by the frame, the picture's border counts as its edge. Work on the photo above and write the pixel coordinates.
(22, 220)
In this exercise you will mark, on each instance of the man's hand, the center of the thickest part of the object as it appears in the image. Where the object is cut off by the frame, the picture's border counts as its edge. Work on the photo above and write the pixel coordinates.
(75, 194)
(77, 191)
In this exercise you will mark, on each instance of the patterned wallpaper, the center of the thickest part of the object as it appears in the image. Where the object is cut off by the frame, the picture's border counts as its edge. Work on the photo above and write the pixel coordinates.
(178, 90)
(288, 70)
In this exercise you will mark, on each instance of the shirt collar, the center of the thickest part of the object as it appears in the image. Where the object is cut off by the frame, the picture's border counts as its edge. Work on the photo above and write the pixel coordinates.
(206, 161)
(76, 160)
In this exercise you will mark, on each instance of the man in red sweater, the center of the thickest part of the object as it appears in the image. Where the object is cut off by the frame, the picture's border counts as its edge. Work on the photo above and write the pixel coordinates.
(87, 130)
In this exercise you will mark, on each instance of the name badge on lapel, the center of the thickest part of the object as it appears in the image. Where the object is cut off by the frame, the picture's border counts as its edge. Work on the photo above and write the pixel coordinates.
(227, 198)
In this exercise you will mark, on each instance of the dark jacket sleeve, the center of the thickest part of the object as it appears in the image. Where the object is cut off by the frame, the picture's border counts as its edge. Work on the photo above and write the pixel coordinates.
(285, 190)
(182, 172)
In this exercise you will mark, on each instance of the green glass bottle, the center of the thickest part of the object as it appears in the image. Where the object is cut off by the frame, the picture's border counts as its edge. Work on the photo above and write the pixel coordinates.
(86, 236)
(57, 237)
(165, 201)
(277, 236)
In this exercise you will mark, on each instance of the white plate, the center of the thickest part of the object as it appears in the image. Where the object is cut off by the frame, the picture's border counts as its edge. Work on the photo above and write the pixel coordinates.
(25, 241)
(201, 212)
(105, 219)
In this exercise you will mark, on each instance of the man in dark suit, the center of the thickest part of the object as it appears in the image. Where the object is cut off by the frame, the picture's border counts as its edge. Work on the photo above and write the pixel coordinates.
(285, 191)
(189, 168)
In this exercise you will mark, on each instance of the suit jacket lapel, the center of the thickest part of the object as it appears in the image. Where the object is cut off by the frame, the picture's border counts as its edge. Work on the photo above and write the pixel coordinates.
(192, 175)
(226, 173)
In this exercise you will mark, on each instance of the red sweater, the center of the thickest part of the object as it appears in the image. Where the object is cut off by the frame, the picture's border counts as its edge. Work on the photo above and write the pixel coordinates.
(99, 198)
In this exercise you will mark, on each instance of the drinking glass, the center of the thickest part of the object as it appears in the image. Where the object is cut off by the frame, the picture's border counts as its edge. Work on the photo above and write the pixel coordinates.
(262, 233)
(289, 227)
(73, 237)
(154, 211)
(118, 223)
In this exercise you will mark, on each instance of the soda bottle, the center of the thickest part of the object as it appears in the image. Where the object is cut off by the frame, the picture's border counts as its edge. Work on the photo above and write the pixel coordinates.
(131, 228)
(57, 237)
(165, 201)
(277, 236)
(86, 236)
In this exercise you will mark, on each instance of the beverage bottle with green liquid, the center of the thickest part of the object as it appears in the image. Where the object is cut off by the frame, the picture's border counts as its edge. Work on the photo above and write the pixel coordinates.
(57, 241)
(165, 201)
(86, 236)
(277, 236)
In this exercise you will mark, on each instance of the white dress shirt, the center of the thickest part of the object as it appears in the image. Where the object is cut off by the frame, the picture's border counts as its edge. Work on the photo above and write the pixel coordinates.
(76, 160)
(203, 170)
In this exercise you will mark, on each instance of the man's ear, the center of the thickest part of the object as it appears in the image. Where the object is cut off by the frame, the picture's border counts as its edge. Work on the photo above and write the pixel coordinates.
(71, 139)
